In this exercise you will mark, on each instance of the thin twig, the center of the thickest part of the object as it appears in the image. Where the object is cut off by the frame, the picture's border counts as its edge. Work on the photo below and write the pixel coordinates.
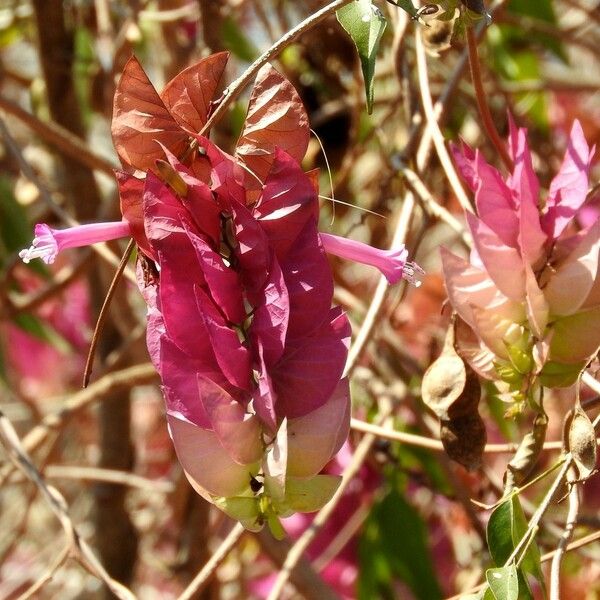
(415, 183)
(434, 128)
(421, 441)
(126, 378)
(87, 373)
(564, 541)
(59, 137)
(215, 560)
(234, 90)
(482, 104)
(78, 547)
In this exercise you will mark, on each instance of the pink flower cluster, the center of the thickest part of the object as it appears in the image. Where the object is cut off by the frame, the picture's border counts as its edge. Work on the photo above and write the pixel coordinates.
(239, 291)
(529, 294)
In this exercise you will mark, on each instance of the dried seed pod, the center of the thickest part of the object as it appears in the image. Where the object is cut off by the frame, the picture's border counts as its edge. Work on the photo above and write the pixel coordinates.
(580, 440)
(527, 453)
(464, 439)
(450, 388)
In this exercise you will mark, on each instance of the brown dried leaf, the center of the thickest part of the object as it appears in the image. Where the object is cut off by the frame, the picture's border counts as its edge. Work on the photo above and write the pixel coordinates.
(140, 120)
(189, 94)
(276, 117)
(464, 439)
(580, 440)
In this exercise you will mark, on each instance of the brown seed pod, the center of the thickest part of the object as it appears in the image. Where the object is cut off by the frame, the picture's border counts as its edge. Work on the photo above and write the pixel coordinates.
(527, 454)
(580, 440)
(450, 388)
(464, 439)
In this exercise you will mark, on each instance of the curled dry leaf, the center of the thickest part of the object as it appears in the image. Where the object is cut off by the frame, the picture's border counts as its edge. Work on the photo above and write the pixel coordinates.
(450, 388)
(464, 439)
(580, 441)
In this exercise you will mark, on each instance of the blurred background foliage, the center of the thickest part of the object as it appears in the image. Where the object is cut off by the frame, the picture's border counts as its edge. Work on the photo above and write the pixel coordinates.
(406, 528)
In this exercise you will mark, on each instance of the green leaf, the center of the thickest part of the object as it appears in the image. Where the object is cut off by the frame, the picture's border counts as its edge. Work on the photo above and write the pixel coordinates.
(408, 6)
(503, 582)
(393, 545)
(309, 495)
(506, 528)
(365, 24)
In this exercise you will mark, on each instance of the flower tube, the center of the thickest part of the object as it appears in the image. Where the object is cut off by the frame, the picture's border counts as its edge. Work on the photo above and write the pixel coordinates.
(48, 242)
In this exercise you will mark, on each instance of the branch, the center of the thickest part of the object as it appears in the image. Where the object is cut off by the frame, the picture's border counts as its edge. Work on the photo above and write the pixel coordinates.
(78, 547)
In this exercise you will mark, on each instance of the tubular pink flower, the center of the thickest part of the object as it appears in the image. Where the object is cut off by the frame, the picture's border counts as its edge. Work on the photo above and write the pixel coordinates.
(48, 242)
(392, 263)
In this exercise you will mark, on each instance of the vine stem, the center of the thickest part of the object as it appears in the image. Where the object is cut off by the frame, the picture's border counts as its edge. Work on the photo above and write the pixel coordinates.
(215, 560)
(564, 541)
(484, 109)
(234, 90)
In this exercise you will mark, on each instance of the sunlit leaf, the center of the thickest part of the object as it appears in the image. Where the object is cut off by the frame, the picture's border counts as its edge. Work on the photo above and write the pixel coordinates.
(365, 24)
(141, 120)
(503, 582)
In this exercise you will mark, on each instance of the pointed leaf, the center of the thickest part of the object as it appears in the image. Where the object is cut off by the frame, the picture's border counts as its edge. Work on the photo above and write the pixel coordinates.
(365, 24)
(502, 262)
(276, 118)
(189, 94)
(275, 465)
(569, 187)
(140, 120)
(576, 337)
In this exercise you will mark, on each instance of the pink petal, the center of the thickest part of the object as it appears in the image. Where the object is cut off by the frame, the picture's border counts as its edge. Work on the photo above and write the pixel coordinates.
(310, 370)
(316, 437)
(309, 283)
(495, 205)
(503, 263)
(569, 187)
(468, 285)
(526, 188)
(269, 325)
(252, 251)
(205, 461)
(574, 278)
(264, 397)
(231, 355)
(288, 202)
(464, 157)
(276, 464)
(222, 281)
(199, 201)
(238, 432)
